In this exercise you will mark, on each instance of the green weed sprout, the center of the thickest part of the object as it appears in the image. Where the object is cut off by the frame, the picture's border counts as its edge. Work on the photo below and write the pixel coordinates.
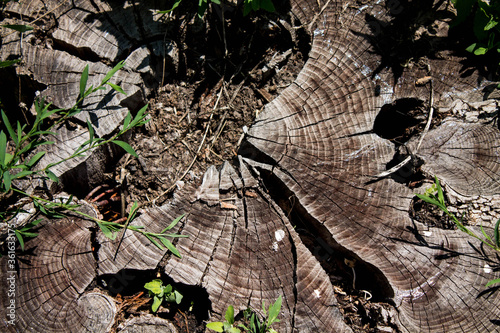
(430, 197)
(162, 293)
(254, 324)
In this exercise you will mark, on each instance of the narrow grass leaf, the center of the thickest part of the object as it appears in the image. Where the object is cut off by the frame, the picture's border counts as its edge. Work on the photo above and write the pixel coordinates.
(22, 174)
(113, 72)
(8, 63)
(91, 131)
(274, 311)
(174, 222)
(52, 176)
(3, 148)
(7, 124)
(126, 147)
(427, 199)
(497, 234)
(20, 239)
(216, 326)
(170, 246)
(126, 121)
(230, 315)
(139, 116)
(83, 81)
(485, 234)
(156, 303)
(105, 230)
(18, 27)
(116, 88)
(6, 180)
(492, 282)
(152, 240)
(34, 160)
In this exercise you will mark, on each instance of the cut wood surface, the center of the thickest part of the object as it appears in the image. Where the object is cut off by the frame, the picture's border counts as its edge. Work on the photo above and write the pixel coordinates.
(314, 148)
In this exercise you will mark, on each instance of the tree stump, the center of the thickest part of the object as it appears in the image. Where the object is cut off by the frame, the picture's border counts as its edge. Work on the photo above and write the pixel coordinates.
(311, 156)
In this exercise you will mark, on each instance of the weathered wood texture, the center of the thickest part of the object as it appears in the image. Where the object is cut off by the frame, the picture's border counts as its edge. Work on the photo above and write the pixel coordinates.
(241, 256)
(317, 141)
(318, 138)
(52, 280)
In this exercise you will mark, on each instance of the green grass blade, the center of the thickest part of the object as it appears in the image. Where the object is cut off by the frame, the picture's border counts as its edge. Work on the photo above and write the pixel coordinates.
(126, 147)
(8, 63)
(116, 88)
(34, 160)
(154, 242)
(20, 239)
(6, 180)
(18, 27)
(3, 148)
(112, 72)
(7, 124)
(83, 81)
(174, 222)
(497, 234)
(440, 191)
(485, 234)
(170, 246)
(492, 282)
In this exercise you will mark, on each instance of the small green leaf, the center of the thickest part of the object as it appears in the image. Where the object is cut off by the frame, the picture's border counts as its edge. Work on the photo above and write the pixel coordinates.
(3, 148)
(480, 51)
(170, 246)
(34, 160)
(126, 121)
(113, 72)
(171, 9)
(116, 88)
(178, 297)
(7, 63)
(216, 326)
(274, 311)
(492, 282)
(83, 81)
(52, 176)
(230, 315)
(155, 286)
(126, 147)
(497, 234)
(152, 240)
(105, 230)
(22, 174)
(138, 119)
(18, 27)
(471, 48)
(91, 131)
(156, 303)
(20, 238)
(267, 5)
(7, 124)
(174, 222)
(6, 180)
